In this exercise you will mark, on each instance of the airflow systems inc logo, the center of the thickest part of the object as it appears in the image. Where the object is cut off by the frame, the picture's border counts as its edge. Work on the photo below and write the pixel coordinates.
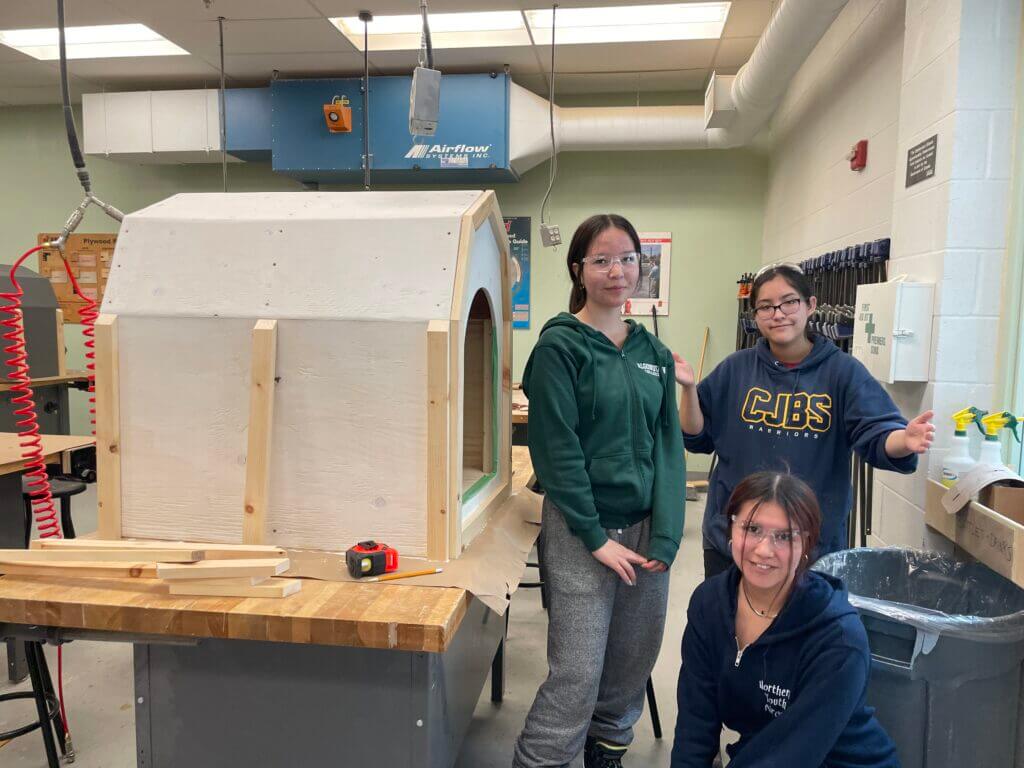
(443, 151)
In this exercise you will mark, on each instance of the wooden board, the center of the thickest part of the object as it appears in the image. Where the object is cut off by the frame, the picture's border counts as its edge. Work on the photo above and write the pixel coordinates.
(261, 422)
(108, 427)
(212, 551)
(272, 588)
(437, 440)
(394, 616)
(150, 554)
(82, 568)
(53, 447)
(217, 569)
(69, 377)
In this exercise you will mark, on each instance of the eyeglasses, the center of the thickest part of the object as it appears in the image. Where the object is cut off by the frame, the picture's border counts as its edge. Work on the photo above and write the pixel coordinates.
(602, 262)
(780, 539)
(776, 265)
(788, 307)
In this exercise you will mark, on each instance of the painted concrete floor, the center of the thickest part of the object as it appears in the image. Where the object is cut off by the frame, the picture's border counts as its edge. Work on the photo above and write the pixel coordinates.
(99, 696)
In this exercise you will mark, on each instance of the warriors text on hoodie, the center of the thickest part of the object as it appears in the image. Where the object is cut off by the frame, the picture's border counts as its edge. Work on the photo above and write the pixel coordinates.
(796, 695)
(604, 432)
(760, 414)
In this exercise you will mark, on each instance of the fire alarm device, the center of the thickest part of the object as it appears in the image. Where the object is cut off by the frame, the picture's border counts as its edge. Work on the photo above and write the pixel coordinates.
(858, 156)
(338, 115)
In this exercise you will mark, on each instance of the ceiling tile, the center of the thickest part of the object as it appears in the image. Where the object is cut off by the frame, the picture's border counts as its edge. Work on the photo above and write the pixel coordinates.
(146, 72)
(747, 18)
(734, 52)
(618, 82)
(335, 8)
(283, 36)
(684, 54)
(262, 66)
(24, 74)
(32, 14)
(519, 58)
(240, 9)
(16, 96)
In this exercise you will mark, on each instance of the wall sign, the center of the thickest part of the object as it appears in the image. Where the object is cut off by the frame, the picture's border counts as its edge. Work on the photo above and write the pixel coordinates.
(655, 270)
(518, 230)
(921, 160)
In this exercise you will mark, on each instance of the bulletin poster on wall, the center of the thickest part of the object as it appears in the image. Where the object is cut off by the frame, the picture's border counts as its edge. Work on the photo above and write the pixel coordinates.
(655, 262)
(518, 230)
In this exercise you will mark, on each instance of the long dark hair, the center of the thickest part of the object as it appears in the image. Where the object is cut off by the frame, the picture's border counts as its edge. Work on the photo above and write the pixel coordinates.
(580, 244)
(793, 496)
(797, 281)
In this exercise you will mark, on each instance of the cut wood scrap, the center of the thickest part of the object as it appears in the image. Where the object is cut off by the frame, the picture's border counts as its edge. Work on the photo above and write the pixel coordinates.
(86, 568)
(212, 551)
(269, 588)
(250, 581)
(216, 569)
(150, 555)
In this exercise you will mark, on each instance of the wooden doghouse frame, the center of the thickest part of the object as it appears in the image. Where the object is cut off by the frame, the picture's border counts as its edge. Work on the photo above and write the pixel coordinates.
(446, 532)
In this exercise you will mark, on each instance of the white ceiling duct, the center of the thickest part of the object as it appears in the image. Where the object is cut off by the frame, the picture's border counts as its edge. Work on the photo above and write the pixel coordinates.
(788, 40)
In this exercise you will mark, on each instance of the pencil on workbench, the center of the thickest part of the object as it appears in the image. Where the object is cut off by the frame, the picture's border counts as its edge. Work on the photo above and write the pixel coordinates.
(406, 575)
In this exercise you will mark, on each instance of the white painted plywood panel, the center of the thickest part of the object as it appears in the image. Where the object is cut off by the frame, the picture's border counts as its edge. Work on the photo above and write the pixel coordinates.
(184, 415)
(349, 457)
(387, 255)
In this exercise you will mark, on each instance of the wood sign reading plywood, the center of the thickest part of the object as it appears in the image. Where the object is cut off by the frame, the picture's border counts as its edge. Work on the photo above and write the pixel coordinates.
(314, 369)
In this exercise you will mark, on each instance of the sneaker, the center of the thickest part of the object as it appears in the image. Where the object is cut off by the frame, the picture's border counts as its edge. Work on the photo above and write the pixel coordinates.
(602, 754)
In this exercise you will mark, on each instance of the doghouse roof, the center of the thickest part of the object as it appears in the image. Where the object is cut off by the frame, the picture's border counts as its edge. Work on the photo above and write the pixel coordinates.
(314, 255)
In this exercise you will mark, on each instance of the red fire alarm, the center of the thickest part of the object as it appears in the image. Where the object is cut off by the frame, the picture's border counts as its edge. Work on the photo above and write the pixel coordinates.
(858, 156)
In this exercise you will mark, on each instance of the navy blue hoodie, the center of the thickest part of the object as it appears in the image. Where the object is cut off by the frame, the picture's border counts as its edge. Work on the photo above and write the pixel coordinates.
(762, 415)
(796, 695)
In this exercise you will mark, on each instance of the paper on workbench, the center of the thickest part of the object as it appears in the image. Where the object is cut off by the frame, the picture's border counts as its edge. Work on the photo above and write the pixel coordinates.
(968, 486)
(490, 568)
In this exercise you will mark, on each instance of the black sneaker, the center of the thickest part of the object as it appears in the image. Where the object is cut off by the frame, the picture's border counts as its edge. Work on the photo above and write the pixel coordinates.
(602, 754)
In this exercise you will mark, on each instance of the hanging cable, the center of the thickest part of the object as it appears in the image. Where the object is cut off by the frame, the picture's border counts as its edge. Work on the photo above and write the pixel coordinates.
(426, 46)
(366, 17)
(69, 116)
(223, 111)
(553, 169)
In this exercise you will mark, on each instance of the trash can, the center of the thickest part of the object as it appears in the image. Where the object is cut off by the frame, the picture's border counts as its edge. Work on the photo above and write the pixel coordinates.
(947, 645)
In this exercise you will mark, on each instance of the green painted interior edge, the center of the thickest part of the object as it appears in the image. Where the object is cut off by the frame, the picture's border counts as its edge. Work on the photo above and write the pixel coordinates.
(476, 487)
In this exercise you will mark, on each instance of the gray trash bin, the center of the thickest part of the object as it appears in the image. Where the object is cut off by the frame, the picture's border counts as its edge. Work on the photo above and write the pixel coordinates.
(947, 644)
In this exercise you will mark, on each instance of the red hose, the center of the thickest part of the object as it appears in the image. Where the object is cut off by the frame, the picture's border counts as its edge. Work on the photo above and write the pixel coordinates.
(26, 416)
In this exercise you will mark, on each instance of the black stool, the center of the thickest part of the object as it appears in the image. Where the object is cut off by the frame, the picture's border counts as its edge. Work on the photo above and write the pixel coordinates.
(60, 489)
(47, 706)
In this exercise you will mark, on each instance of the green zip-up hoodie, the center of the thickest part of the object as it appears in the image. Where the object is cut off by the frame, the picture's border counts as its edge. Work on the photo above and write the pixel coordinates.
(604, 432)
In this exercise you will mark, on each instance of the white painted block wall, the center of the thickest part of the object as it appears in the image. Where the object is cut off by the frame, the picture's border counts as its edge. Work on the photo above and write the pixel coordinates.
(897, 72)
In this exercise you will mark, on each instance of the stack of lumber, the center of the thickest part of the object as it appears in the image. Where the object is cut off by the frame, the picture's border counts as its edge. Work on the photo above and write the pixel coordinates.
(223, 570)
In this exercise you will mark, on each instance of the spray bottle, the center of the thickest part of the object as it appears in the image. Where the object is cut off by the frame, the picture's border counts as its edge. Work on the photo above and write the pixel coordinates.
(958, 461)
(992, 448)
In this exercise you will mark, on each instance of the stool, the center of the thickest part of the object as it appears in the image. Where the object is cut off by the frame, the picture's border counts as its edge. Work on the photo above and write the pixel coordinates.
(59, 489)
(47, 706)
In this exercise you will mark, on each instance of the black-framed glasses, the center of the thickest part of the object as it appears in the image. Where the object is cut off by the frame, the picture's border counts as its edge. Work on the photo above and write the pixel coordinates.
(788, 307)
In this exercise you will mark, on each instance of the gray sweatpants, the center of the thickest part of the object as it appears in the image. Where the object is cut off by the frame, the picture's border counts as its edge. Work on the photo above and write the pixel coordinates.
(603, 639)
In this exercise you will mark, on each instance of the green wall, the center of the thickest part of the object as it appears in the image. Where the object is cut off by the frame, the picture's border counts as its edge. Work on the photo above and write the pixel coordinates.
(711, 202)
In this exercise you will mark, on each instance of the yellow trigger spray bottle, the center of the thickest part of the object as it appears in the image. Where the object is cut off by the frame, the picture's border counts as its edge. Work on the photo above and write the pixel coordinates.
(992, 448)
(958, 461)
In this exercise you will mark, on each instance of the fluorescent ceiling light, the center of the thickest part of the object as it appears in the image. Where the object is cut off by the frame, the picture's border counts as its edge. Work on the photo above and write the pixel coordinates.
(447, 30)
(630, 24)
(108, 41)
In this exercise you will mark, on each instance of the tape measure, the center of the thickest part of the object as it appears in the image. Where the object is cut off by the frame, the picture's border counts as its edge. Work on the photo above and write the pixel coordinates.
(371, 558)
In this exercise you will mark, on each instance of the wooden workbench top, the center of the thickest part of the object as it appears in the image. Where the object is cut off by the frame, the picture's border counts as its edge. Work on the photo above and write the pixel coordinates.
(53, 445)
(392, 616)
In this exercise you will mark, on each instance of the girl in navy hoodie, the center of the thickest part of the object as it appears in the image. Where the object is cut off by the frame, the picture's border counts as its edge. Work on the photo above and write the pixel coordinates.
(792, 403)
(773, 650)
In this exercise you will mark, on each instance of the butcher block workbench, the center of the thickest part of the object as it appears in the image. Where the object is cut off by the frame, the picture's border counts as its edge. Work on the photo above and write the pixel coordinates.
(340, 673)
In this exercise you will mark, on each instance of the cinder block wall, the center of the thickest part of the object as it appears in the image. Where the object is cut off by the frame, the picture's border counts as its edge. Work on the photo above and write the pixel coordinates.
(897, 72)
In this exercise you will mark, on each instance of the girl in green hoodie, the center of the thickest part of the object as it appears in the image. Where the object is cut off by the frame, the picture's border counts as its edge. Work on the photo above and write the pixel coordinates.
(606, 447)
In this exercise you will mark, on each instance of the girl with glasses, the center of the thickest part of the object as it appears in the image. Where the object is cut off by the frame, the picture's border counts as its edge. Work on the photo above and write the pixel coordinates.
(605, 444)
(773, 650)
(796, 402)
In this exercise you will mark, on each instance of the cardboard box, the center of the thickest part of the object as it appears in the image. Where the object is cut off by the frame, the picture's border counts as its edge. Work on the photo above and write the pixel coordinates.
(992, 538)
(1007, 500)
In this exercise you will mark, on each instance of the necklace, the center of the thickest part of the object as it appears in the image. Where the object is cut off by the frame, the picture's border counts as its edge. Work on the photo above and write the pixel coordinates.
(765, 614)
